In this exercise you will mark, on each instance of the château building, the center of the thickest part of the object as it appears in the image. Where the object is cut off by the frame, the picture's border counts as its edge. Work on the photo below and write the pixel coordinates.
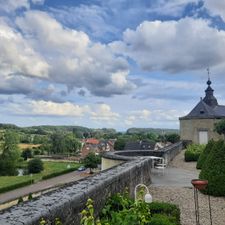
(198, 125)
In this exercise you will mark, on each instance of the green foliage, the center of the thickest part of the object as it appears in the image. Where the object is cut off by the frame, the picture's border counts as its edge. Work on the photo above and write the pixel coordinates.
(220, 127)
(150, 130)
(27, 153)
(152, 136)
(88, 214)
(166, 209)
(72, 143)
(64, 143)
(36, 151)
(204, 154)
(10, 154)
(91, 161)
(40, 139)
(161, 220)
(20, 200)
(30, 197)
(173, 137)
(193, 152)
(122, 210)
(120, 144)
(213, 170)
(56, 222)
(35, 165)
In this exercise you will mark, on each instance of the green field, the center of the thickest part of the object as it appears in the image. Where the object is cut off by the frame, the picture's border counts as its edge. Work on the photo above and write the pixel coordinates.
(49, 168)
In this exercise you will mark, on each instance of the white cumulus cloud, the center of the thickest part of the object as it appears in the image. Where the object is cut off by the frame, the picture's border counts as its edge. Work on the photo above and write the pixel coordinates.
(104, 113)
(173, 46)
(215, 7)
(73, 58)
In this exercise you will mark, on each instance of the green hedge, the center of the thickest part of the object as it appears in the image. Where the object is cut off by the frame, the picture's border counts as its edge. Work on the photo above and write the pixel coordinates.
(213, 170)
(193, 152)
(204, 155)
(166, 209)
(14, 186)
(158, 219)
(59, 173)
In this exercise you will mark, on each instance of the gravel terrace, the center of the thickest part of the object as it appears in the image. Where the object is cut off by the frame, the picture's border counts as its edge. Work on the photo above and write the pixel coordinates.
(180, 192)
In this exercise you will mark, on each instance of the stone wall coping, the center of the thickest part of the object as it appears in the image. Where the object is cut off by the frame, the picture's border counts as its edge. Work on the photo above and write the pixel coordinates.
(124, 155)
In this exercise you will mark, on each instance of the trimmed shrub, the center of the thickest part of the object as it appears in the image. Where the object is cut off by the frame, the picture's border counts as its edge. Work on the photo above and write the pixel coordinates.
(35, 165)
(213, 170)
(204, 155)
(167, 209)
(160, 220)
(193, 152)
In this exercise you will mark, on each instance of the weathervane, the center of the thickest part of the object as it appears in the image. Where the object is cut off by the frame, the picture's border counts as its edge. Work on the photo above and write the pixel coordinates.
(208, 73)
(209, 81)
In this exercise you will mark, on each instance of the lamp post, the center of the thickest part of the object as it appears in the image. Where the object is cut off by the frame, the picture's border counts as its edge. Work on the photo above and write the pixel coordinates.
(148, 197)
(200, 185)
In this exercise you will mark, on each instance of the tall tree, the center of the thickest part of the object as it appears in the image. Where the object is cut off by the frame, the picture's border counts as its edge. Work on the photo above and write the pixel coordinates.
(91, 161)
(10, 154)
(220, 127)
(72, 143)
(58, 143)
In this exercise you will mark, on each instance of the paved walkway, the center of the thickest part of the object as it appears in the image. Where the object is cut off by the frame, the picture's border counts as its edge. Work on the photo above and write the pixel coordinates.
(42, 185)
(175, 187)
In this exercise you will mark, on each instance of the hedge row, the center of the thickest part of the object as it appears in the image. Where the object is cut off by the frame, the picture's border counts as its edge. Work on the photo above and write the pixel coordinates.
(160, 210)
(193, 152)
(14, 186)
(51, 175)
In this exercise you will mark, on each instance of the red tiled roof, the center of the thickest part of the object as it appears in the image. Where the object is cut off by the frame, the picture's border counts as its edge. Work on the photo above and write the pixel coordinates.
(92, 141)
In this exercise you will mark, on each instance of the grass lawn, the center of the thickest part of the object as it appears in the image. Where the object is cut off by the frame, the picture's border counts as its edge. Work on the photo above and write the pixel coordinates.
(49, 168)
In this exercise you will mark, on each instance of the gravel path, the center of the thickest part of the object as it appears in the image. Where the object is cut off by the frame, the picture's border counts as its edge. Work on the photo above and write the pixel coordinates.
(183, 197)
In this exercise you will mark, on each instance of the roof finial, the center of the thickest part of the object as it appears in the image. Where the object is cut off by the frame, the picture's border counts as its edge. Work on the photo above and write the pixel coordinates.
(209, 81)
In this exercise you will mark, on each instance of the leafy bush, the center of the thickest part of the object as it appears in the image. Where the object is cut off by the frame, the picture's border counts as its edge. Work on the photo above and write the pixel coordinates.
(91, 161)
(213, 170)
(35, 165)
(27, 153)
(122, 210)
(173, 138)
(37, 151)
(204, 154)
(193, 152)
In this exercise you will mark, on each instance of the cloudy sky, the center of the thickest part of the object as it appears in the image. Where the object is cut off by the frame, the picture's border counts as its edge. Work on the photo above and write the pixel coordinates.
(114, 63)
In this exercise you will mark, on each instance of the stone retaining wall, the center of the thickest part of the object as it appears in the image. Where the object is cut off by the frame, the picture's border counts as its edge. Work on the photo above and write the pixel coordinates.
(67, 203)
(111, 159)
